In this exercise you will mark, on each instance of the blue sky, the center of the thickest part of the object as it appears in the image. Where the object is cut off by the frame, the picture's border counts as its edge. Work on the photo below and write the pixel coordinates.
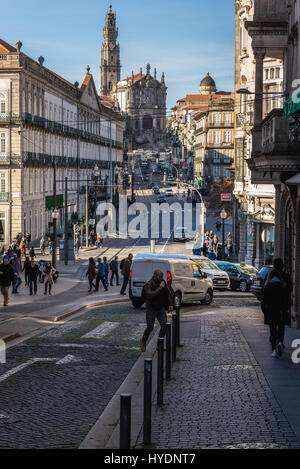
(185, 39)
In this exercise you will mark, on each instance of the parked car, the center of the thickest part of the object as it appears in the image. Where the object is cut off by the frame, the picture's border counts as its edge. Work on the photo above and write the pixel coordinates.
(184, 276)
(156, 190)
(219, 278)
(161, 199)
(259, 281)
(169, 193)
(240, 278)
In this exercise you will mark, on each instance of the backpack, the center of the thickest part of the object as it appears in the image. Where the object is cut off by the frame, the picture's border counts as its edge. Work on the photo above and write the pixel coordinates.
(122, 264)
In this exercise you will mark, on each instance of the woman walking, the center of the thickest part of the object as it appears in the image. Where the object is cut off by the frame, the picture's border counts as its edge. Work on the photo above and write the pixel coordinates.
(106, 270)
(49, 272)
(275, 307)
(91, 274)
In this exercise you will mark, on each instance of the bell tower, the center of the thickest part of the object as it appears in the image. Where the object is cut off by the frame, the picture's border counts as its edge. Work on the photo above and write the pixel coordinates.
(110, 54)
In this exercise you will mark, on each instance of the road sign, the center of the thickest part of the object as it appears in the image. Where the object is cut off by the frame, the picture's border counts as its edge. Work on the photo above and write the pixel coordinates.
(226, 197)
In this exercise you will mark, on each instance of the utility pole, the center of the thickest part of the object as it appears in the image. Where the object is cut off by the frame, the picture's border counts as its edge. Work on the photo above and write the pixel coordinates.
(110, 163)
(66, 221)
(86, 210)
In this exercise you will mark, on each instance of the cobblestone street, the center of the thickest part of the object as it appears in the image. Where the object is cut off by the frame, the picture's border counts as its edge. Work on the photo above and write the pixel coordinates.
(218, 396)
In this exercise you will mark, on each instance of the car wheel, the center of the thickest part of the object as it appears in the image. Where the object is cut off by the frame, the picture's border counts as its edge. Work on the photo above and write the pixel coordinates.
(243, 286)
(137, 304)
(208, 298)
(177, 300)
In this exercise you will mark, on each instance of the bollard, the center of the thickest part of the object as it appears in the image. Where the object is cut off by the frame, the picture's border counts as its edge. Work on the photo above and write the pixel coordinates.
(147, 401)
(160, 371)
(125, 421)
(168, 351)
(174, 337)
(178, 326)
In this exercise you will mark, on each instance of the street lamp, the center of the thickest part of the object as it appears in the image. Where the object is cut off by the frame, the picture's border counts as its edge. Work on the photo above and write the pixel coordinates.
(223, 216)
(55, 215)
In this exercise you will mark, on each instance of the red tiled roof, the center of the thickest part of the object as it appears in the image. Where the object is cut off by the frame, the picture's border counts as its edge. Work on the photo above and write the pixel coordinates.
(136, 77)
(85, 83)
(5, 48)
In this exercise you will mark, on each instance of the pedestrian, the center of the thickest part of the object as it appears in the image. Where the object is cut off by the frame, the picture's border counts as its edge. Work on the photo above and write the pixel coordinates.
(229, 244)
(91, 273)
(32, 252)
(114, 267)
(204, 249)
(49, 272)
(16, 264)
(33, 274)
(218, 225)
(215, 243)
(126, 268)
(101, 269)
(23, 247)
(159, 298)
(275, 306)
(42, 245)
(25, 269)
(7, 277)
(99, 241)
(105, 262)
(28, 240)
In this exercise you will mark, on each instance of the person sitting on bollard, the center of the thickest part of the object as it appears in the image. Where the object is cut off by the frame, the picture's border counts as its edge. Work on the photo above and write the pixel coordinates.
(159, 297)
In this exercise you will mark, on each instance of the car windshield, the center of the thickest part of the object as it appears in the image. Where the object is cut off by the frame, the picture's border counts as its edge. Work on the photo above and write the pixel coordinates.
(264, 272)
(207, 264)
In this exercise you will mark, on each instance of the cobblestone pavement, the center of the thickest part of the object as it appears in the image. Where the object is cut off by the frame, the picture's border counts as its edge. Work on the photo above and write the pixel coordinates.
(218, 396)
(54, 387)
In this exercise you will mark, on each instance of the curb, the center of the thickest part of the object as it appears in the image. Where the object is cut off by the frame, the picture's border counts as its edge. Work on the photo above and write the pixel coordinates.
(88, 306)
(106, 431)
(10, 337)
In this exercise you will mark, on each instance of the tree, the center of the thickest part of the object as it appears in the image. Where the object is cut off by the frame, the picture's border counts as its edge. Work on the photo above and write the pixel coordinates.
(218, 187)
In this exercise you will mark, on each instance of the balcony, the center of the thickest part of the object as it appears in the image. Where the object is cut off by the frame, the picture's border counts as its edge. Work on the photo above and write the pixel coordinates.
(4, 158)
(5, 117)
(275, 132)
(4, 197)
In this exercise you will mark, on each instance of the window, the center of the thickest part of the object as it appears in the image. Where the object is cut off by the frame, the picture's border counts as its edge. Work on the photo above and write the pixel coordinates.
(217, 172)
(227, 156)
(3, 98)
(272, 74)
(2, 182)
(216, 156)
(227, 118)
(267, 74)
(277, 72)
(2, 227)
(2, 142)
(227, 136)
(217, 118)
(227, 173)
(217, 137)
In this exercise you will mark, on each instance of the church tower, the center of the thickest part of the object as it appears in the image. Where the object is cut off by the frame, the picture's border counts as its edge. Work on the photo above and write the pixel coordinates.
(110, 54)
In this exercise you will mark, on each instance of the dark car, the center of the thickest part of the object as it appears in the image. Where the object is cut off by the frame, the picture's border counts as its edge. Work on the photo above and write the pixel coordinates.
(259, 281)
(156, 190)
(161, 199)
(240, 277)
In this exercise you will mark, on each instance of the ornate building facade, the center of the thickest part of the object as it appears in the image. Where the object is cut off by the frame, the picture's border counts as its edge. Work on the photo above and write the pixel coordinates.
(254, 203)
(141, 97)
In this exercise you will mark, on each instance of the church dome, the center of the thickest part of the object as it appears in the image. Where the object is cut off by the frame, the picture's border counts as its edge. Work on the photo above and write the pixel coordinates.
(208, 85)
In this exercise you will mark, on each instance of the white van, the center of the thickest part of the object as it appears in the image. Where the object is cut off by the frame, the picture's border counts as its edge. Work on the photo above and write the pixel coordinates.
(184, 276)
(220, 279)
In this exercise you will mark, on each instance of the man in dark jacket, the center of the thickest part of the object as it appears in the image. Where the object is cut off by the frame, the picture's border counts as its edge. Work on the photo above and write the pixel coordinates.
(7, 277)
(33, 274)
(114, 271)
(126, 273)
(159, 298)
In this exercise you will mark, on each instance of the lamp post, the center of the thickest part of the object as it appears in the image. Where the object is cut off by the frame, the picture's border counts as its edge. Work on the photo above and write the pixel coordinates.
(223, 216)
(55, 215)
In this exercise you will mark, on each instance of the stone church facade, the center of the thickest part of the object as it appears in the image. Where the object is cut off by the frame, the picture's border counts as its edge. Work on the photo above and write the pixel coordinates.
(141, 97)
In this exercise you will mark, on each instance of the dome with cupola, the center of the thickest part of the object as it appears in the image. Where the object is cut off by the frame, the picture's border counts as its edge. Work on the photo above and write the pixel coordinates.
(207, 85)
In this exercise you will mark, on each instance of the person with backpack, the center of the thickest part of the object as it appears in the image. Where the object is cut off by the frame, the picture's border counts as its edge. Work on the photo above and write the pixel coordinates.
(275, 304)
(126, 268)
(49, 272)
(7, 278)
(25, 269)
(159, 298)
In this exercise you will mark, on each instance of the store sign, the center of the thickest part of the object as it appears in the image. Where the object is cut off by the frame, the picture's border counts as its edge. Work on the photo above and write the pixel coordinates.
(226, 197)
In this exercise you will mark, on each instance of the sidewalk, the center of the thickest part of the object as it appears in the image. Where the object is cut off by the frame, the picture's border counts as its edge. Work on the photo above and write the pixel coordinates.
(226, 389)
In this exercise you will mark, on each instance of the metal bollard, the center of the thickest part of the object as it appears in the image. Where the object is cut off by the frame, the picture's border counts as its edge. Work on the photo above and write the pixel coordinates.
(147, 401)
(160, 371)
(168, 351)
(125, 421)
(174, 319)
(178, 327)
